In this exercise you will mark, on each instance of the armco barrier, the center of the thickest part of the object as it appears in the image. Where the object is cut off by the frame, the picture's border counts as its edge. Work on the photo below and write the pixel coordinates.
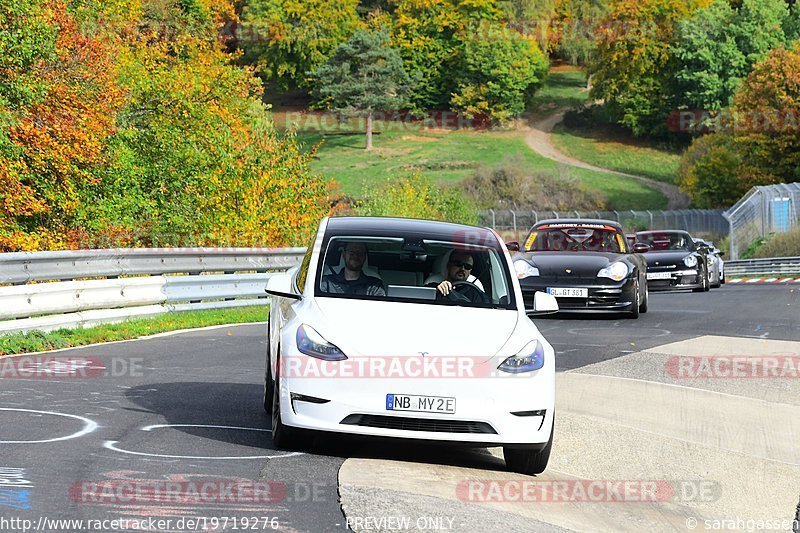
(213, 278)
(775, 267)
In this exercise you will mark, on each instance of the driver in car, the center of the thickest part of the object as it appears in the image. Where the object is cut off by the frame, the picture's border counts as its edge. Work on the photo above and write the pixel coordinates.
(459, 268)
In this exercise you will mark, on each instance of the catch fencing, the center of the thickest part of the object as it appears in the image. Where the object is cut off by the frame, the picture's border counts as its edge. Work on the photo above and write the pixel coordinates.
(708, 223)
(52, 290)
(762, 211)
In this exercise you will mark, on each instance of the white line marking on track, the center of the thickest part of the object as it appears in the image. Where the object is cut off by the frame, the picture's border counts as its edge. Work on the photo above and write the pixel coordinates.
(112, 445)
(89, 426)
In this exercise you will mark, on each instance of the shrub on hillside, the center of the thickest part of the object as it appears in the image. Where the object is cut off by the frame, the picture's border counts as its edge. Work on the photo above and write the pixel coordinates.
(414, 196)
(780, 245)
(710, 172)
(512, 186)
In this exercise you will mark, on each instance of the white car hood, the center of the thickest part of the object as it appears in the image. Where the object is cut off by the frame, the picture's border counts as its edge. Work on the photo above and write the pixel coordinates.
(370, 328)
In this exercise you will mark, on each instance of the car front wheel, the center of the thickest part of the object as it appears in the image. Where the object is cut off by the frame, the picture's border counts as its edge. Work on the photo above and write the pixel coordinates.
(645, 300)
(635, 308)
(283, 437)
(524, 461)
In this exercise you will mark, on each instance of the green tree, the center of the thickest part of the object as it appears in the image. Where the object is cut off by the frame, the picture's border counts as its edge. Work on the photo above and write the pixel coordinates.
(286, 39)
(429, 35)
(575, 27)
(768, 106)
(633, 65)
(709, 172)
(499, 72)
(364, 75)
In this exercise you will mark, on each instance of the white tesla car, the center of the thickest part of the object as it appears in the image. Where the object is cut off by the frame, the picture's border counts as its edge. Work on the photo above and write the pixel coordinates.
(410, 329)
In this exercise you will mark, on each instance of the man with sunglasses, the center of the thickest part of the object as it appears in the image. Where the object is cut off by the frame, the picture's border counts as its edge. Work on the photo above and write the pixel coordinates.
(459, 268)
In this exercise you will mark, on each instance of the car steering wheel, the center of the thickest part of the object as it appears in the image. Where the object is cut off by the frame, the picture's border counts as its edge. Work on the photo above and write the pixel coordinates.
(465, 287)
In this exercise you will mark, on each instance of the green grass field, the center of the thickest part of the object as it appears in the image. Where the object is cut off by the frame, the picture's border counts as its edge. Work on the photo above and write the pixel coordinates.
(451, 155)
(36, 341)
(615, 150)
(565, 88)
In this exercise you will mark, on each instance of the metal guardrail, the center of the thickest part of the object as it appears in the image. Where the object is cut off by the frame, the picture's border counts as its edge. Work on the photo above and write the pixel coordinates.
(26, 303)
(774, 267)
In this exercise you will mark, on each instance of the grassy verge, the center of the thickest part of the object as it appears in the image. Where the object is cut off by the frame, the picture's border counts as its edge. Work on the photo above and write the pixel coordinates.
(449, 157)
(36, 341)
(612, 149)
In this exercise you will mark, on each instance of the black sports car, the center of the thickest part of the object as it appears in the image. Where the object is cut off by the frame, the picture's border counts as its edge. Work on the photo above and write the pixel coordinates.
(674, 261)
(587, 265)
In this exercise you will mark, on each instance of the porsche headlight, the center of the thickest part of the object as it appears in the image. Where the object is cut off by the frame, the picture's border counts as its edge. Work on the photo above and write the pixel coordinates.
(528, 359)
(690, 261)
(616, 271)
(312, 343)
(525, 269)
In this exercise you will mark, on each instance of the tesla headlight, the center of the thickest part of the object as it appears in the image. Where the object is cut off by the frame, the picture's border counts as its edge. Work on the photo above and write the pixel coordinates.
(616, 271)
(528, 359)
(312, 343)
(525, 269)
(690, 261)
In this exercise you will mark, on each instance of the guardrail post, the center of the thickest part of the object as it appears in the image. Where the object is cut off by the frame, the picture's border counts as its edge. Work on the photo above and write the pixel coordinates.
(494, 219)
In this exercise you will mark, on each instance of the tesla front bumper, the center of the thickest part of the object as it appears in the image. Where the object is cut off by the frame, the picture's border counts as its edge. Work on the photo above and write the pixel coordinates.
(502, 409)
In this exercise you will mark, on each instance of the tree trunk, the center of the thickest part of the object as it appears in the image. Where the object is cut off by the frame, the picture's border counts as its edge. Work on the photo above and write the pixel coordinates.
(369, 130)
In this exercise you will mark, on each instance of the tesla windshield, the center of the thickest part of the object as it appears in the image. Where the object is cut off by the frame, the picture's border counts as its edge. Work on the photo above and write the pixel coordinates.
(667, 241)
(413, 269)
(576, 238)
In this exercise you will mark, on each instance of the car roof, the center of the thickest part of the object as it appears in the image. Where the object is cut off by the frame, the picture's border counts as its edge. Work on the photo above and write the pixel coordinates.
(612, 223)
(387, 226)
(668, 231)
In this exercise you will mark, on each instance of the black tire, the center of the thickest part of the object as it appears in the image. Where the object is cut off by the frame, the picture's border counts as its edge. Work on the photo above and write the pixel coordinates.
(268, 385)
(526, 461)
(707, 283)
(646, 300)
(283, 437)
(704, 287)
(635, 308)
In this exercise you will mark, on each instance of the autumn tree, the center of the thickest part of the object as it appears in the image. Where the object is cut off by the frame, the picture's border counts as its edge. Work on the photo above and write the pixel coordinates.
(498, 74)
(58, 101)
(286, 39)
(768, 107)
(429, 35)
(632, 68)
(364, 75)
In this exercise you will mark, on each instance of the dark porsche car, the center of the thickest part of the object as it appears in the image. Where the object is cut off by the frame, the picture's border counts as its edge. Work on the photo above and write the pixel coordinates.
(587, 265)
(674, 261)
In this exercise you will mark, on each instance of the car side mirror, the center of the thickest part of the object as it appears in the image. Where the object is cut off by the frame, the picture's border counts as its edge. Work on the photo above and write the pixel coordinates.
(543, 304)
(513, 246)
(640, 248)
(280, 285)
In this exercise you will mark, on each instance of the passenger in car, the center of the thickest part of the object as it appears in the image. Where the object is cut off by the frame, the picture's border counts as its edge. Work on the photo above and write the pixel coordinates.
(351, 278)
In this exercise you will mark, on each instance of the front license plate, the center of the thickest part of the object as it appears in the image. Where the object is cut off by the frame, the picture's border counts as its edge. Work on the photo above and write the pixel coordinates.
(659, 275)
(420, 404)
(568, 293)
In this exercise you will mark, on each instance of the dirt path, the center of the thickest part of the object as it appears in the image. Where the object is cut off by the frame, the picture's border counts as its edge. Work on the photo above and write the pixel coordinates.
(538, 138)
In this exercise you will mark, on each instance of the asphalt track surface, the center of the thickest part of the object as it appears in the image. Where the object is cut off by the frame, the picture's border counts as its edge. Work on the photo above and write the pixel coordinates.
(164, 415)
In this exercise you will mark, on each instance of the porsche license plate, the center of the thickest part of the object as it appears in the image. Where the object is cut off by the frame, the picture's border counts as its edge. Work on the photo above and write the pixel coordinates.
(568, 292)
(659, 275)
(420, 404)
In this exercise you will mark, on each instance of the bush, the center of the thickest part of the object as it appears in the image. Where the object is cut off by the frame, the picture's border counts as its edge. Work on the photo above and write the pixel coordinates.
(710, 172)
(512, 186)
(415, 196)
(780, 245)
